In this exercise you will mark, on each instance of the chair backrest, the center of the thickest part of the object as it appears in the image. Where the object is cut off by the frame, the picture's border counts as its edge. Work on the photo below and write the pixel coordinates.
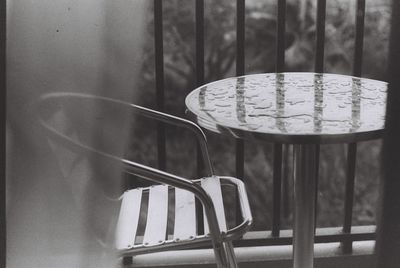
(41, 107)
(53, 99)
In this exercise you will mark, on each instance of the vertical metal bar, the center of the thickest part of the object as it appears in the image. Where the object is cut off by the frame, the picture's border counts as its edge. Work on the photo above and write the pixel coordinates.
(240, 70)
(199, 24)
(200, 164)
(199, 42)
(3, 133)
(387, 245)
(320, 39)
(286, 176)
(318, 114)
(352, 147)
(230, 255)
(240, 37)
(240, 159)
(304, 180)
(317, 152)
(359, 39)
(349, 194)
(159, 72)
(278, 148)
(280, 36)
(278, 162)
(199, 59)
(277, 182)
(319, 68)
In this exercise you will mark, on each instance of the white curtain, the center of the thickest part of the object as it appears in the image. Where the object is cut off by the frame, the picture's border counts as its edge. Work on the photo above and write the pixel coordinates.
(58, 214)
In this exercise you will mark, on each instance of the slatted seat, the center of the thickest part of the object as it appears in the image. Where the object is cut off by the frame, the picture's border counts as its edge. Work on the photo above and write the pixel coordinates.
(185, 221)
(149, 206)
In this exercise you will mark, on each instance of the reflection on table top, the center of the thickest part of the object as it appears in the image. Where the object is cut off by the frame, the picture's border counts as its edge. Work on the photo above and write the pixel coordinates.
(292, 107)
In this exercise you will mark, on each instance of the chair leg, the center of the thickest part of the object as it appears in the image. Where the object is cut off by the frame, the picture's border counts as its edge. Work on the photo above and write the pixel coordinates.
(225, 255)
(230, 253)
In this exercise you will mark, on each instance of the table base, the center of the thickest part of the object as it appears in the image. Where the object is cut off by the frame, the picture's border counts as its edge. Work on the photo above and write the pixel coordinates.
(305, 159)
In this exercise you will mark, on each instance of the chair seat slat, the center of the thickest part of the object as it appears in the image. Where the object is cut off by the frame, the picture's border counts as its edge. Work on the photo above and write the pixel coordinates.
(212, 186)
(128, 219)
(157, 216)
(185, 215)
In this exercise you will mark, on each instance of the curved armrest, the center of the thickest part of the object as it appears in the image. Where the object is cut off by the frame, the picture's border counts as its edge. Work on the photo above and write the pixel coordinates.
(247, 218)
(180, 122)
(146, 112)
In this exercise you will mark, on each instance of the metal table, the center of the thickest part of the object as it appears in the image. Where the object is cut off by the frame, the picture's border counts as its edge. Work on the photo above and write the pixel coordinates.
(303, 109)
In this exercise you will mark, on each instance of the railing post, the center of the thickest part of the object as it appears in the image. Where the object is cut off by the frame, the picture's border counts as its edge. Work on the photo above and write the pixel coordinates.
(388, 238)
(199, 25)
(280, 36)
(320, 39)
(199, 80)
(319, 68)
(240, 70)
(3, 133)
(159, 73)
(352, 147)
(278, 148)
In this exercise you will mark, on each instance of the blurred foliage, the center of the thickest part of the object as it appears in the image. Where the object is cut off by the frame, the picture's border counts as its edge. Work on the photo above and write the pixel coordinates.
(220, 46)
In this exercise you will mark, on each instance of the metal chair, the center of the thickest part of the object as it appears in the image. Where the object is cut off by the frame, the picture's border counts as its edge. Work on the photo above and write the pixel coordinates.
(207, 190)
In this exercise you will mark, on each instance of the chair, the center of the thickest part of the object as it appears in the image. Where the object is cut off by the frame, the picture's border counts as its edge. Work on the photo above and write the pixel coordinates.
(207, 190)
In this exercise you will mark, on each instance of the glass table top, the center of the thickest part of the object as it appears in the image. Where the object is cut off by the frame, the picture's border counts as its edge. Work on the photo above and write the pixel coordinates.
(292, 107)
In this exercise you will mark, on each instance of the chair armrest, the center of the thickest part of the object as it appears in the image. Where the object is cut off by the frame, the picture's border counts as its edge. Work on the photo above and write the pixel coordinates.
(146, 112)
(247, 218)
(180, 122)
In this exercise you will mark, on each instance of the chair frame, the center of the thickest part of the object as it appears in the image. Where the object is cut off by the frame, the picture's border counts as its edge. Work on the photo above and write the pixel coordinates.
(221, 241)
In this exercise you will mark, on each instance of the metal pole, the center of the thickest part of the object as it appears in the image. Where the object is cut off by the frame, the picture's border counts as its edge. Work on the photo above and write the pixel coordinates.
(305, 159)
(388, 232)
(3, 98)
(159, 73)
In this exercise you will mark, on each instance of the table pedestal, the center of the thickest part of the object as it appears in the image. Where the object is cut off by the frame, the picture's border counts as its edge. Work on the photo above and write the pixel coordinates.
(304, 205)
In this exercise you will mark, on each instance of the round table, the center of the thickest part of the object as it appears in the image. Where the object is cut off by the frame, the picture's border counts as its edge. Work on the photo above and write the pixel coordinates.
(303, 109)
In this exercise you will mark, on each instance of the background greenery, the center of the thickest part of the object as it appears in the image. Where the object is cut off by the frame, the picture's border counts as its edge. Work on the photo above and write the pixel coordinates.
(179, 46)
